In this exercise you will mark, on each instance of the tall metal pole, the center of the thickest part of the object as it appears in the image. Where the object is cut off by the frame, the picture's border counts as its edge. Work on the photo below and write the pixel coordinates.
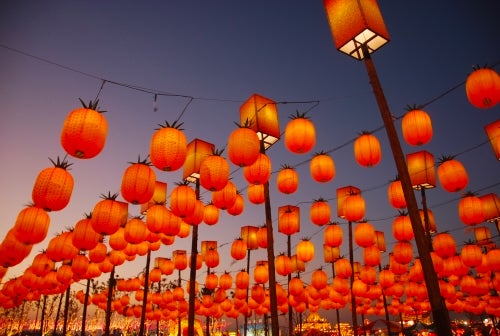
(85, 303)
(439, 310)
(270, 257)
(145, 295)
(289, 277)
(353, 298)
(192, 270)
(336, 310)
(66, 310)
(111, 286)
(245, 323)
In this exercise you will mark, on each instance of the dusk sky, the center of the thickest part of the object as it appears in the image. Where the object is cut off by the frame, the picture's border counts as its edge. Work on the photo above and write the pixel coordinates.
(220, 53)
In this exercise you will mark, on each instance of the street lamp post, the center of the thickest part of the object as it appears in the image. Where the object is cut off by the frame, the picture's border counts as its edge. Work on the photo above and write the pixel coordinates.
(358, 30)
(249, 235)
(197, 151)
(263, 117)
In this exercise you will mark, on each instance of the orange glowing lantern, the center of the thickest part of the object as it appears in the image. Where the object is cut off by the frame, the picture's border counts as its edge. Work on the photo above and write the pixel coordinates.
(256, 193)
(491, 207)
(238, 205)
(109, 214)
(483, 87)
(260, 272)
(211, 214)
(330, 253)
(168, 147)
(354, 208)
(183, 200)
(159, 197)
(226, 197)
(493, 132)
(305, 250)
(32, 225)
(342, 194)
(417, 127)
(84, 131)
(138, 182)
(84, 236)
(395, 194)
(283, 265)
(452, 174)
(421, 169)
(288, 219)
(444, 245)
(239, 249)
(249, 235)
(260, 171)
(300, 134)
(262, 115)
(401, 228)
(320, 212)
(180, 259)
(243, 145)
(356, 24)
(470, 209)
(322, 167)
(53, 186)
(333, 235)
(364, 234)
(287, 180)
(367, 151)
(214, 171)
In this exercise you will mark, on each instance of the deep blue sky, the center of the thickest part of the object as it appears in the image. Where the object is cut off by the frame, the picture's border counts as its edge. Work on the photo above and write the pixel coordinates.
(220, 53)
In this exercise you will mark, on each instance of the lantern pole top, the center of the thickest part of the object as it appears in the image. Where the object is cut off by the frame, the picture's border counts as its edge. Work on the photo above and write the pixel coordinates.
(357, 26)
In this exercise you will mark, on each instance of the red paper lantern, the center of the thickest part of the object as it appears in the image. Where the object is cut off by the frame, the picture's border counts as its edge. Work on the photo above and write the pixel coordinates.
(256, 193)
(444, 245)
(300, 134)
(333, 235)
(402, 229)
(367, 151)
(395, 195)
(214, 172)
(226, 197)
(287, 180)
(403, 252)
(320, 212)
(168, 147)
(283, 265)
(31, 226)
(211, 214)
(354, 208)
(322, 168)
(319, 279)
(452, 174)
(84, 131)
(288, 219)
(470, 209)
(364, 234)
(238, 206)
(109, 214)
(183, 200)
(138, 182)
(260, 171)
(483, 87)
(243, 146)
(135, 230)
(417, 127)
(305, 250)
(239, 249)
(53, 187)
(84, 237)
